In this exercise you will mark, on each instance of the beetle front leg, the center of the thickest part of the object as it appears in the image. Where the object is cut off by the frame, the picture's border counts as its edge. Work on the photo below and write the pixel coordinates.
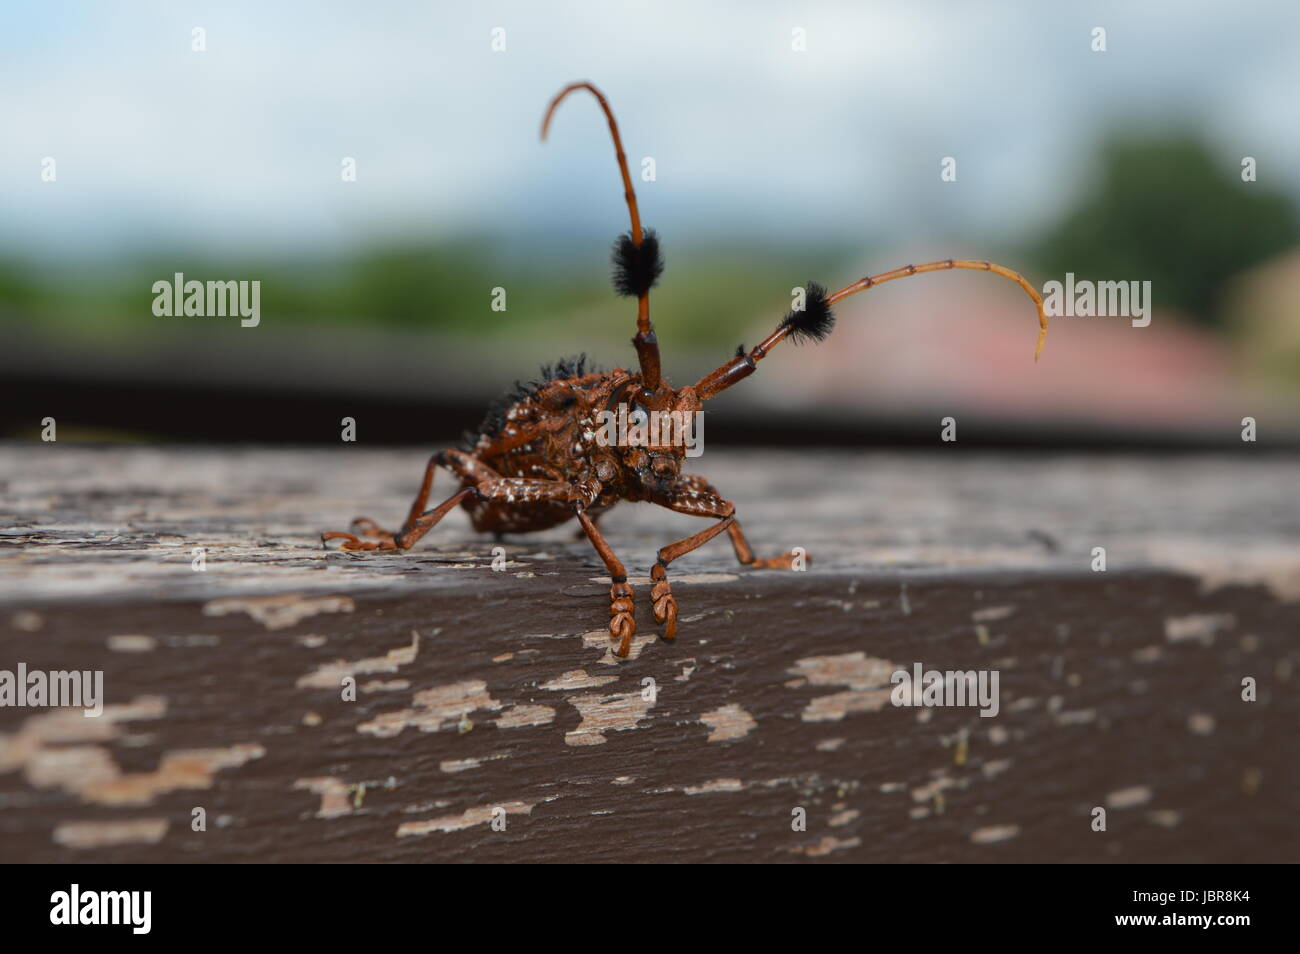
(691, 487)
(685, 496)
(695, 496)
(622, 622)
(746, 556)
(661, 593)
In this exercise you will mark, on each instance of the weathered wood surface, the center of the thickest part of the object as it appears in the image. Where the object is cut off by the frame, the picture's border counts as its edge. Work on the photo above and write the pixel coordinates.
(482, 689)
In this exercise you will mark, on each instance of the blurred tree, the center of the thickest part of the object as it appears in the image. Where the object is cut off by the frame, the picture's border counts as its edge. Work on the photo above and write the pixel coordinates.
(1165, 209)
(16, 290)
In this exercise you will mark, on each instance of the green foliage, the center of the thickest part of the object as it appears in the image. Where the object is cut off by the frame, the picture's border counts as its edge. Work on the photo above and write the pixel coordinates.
(707, 299)
(16, 291)
(1165, 209)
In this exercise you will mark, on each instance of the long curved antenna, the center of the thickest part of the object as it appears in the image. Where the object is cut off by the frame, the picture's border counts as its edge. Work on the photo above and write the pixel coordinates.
(862, 284)
(815, 321)
(637, 270)
(628, 192)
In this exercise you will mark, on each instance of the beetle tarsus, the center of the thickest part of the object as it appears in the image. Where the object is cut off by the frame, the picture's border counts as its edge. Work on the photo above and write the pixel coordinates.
(665, 604)
(622, 623)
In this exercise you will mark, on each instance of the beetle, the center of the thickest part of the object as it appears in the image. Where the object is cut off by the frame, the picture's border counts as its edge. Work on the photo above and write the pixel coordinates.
(538, 459)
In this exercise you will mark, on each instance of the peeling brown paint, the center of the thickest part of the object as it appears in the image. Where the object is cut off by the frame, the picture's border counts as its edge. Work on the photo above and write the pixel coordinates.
(55, 749)
(466, 819)
(577, 679)
(717, 785)
(750, 631)
(182, 769)
(991, 614)
(729, 722)
(1165, 817)
(1076, 717)
(385, 685)
(835, 707)
(995, 768)
(1201, 627)
(109, 834)
(71, 725)
(1201, 723)
(1129, 797)
(933, 788)
(131, 643)
(335, 795)
(866, 677)
(27, 621)
(331, 675)
(452, 766)
(991, 834)
(827, 845)
(433, 709)
(601, 714)
(281, 611)
(340, 798)
(519, 716)
(1274, 566)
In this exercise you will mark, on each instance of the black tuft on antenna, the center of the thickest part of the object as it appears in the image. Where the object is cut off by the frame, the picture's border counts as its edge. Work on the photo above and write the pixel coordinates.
(637, 267)
(816, 319)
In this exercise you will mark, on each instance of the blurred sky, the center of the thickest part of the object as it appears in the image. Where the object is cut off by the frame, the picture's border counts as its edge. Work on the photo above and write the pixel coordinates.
(239, 148)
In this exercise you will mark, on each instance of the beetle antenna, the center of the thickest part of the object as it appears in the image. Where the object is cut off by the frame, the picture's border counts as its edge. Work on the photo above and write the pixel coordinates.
(814, 321)
(636, 256)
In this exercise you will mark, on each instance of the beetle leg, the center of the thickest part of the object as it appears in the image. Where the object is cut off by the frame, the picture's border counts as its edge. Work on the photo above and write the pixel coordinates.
(661, 593)
(689, 484)
(746, 556)
(469, 469)
(685, 496)
(581, 533)
(622, 622)
(410, 532)
(695, 496)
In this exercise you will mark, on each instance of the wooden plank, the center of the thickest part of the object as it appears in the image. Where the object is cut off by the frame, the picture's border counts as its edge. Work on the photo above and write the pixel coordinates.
(482, 690)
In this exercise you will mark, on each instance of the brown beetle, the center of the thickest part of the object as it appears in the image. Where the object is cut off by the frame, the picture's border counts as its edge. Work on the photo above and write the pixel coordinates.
(539, 459)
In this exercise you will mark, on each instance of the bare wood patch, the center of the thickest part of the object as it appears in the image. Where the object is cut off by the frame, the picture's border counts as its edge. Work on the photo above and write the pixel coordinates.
(110, 834)
(728, 722)
(279, 612)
